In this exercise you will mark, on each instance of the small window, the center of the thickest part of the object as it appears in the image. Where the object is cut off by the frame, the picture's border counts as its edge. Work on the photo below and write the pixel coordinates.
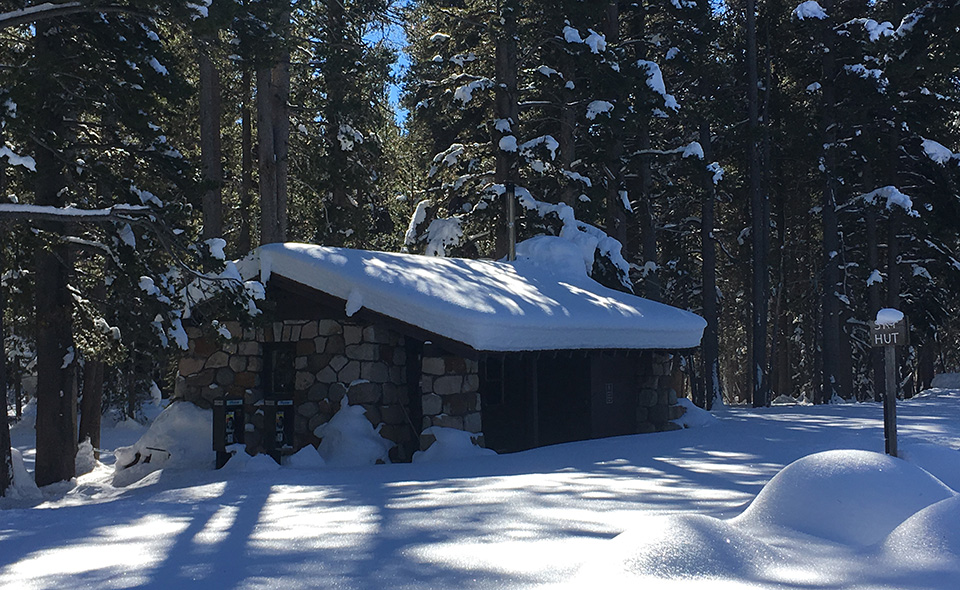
(279, 371)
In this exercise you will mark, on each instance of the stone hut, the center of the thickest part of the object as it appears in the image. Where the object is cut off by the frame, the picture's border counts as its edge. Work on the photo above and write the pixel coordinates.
(520, 354)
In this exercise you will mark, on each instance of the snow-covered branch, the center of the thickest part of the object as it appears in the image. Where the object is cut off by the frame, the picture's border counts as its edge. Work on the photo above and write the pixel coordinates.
(117, 213)
(47, 10)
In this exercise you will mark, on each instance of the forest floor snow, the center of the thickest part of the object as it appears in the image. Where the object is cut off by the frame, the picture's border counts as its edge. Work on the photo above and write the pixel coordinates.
(782, 497)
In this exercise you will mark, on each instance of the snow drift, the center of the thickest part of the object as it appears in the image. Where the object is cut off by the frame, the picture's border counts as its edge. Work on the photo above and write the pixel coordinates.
(850, 497)
(180, 438)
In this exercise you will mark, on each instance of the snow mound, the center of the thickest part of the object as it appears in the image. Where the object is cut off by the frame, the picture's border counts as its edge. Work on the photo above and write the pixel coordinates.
(180, 438)
(305, 458)
(85, 461)
(694, 417)
(23, 487)
(946, 381)
(930, 539)
(241, 461)
(940, 461)
(28, 418)
(349, 439)
(450, 444)
(783, 400)
(678, 547)
(851, 497)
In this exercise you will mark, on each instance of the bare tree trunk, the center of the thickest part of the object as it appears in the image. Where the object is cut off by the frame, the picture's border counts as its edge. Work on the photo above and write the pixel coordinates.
(506, 106)
(616, 214)
(710, 347)
(761, 224)
(269, 226)
(244, 237)
(6, 458)
(873, 301)
(56, 356)
(893, 276)
(831, 229)
(336, 86)
(566, 137)
(273, 134)
(641, 184)
(211, 154)
(281, 135)
(91, 398)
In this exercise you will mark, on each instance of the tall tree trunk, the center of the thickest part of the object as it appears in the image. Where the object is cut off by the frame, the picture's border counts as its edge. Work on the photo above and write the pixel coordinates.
(273, 134)
(761, 224)
(6, 458)
(266, 156)
(640, 184)
(710, 347)
(244, 236)
(211, 154)
(91, 398)
(873, 300)
(831, 228)
(893, 277)
(568, 126)
(56, 356)
(506, 105)
(616, 214)
(336, 102)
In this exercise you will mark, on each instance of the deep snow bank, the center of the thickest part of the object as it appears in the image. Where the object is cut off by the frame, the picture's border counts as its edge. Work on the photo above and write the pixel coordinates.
(928, 539)
(678, 547)
(876, 507)
(850, 497)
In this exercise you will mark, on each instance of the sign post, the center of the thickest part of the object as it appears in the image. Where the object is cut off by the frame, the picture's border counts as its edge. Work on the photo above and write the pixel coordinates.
(889, 331)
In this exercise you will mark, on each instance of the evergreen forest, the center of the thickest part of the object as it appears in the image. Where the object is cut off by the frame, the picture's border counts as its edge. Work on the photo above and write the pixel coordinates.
(784, 169)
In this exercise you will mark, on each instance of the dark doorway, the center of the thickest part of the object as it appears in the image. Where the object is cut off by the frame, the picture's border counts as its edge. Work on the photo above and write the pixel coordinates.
(506, 400)
(563, 398)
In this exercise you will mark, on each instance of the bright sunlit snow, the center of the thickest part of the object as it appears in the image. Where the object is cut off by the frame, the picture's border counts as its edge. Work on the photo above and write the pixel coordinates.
(793, 497)
(533, 303)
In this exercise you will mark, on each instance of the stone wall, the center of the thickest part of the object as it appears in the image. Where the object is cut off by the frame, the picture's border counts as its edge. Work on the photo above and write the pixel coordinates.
(450, 394)
(657, 397)
(335, 360)
(363, 364)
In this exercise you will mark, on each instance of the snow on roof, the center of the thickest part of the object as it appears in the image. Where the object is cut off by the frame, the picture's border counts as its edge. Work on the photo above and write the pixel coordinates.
(538, 302)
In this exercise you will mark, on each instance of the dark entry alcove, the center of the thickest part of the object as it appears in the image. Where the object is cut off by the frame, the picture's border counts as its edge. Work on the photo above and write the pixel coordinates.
(563, 398)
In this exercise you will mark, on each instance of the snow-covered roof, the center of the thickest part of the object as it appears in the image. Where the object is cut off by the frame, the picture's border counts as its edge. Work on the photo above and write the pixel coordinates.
(542, 301)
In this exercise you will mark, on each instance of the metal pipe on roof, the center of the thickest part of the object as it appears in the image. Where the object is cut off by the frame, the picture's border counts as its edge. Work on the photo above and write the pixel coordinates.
(511, 194)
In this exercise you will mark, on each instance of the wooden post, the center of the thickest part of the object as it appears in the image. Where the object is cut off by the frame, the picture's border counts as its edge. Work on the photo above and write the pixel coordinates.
(889, 331)
(890, 401)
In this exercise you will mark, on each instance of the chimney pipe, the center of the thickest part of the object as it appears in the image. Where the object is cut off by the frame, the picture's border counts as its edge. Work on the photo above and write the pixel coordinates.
(510, 194)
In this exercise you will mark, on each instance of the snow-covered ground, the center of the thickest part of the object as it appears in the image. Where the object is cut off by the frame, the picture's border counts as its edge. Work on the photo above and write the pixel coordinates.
(664, 510)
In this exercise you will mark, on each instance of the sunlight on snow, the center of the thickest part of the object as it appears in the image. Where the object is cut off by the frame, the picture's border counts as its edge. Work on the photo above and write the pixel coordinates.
(122, 555)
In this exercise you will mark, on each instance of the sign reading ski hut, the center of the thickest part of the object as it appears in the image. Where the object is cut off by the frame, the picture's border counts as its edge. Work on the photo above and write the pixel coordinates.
(521, 354)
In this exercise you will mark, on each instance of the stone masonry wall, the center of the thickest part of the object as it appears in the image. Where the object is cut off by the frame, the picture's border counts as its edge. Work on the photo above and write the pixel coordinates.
(450, 394)
(335, 360)
(657, 398)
